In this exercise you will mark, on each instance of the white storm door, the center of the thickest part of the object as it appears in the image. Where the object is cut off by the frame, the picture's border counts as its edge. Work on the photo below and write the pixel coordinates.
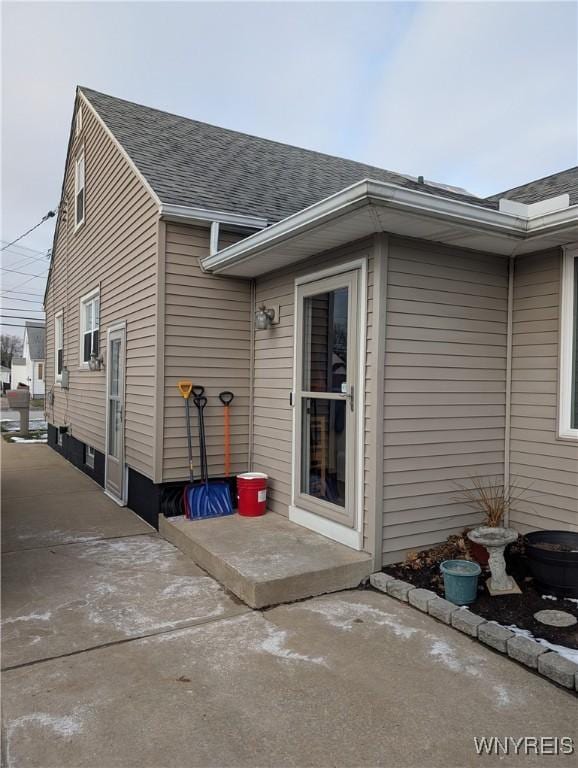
(325, 482)
(115, 390)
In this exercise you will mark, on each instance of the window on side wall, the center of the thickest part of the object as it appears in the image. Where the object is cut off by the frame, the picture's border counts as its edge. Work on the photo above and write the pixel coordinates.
(79, 202)
(58, 345)
(568, 406)
(89, 325)
(40, 371)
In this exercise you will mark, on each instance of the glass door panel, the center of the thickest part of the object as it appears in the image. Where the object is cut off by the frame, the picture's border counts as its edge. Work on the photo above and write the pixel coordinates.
(325, 421)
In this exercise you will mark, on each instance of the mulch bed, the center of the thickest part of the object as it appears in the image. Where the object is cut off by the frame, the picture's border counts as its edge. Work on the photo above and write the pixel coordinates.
(422, 570)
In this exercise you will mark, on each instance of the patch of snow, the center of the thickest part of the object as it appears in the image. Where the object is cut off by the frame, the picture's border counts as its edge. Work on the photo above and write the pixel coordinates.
(62, 726)
(275, 645)
(549, 597)
(344, 615)
(572, 600)
(445, 654)
(28, 440)
(62, 537)
(503, 698)
(229, 639)
(125, 605)
(568, 653)
(30, 617)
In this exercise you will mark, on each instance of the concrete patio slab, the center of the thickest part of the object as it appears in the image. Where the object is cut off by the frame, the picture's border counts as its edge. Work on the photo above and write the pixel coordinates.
(267, 560)
(39, 481)
(68, 598)
(17, 456)
(350, 679)
(29, 522)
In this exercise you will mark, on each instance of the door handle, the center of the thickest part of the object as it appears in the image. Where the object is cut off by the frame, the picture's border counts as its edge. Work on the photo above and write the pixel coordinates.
(350, 395)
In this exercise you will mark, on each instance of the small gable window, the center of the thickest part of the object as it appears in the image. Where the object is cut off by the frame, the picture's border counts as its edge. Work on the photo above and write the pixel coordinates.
(78, 121)
(89, 325)
(79, 190)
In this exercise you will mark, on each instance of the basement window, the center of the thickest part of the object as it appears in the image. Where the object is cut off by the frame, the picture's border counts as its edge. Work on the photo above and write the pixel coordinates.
(89, 456)
(79, 190)
(568, 405)
(89, 325)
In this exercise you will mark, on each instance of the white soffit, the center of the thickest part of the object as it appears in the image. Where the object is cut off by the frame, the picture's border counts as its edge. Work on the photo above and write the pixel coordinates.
(369, 207)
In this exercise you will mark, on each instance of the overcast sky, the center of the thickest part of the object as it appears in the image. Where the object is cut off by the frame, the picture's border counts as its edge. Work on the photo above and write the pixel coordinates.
(481, 95)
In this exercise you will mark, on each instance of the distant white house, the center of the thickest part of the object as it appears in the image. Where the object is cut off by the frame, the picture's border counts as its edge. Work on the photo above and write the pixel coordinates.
(29, 369)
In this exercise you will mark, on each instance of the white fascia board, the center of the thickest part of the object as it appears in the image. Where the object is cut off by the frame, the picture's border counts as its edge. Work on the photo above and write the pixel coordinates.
(514, 228)
(362, 193)
(335, 205)
(187, 213)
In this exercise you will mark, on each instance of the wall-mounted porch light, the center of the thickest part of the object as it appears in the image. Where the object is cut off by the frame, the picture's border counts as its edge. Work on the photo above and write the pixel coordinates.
(96, 362)
(264, 318)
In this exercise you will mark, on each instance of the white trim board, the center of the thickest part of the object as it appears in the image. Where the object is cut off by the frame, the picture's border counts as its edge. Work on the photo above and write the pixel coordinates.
(567, 333)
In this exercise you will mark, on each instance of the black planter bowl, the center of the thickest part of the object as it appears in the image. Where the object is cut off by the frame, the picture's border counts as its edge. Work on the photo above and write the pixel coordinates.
(556, 570)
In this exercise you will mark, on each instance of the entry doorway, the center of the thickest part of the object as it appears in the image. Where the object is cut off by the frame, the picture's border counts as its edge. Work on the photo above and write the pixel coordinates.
(328, 404)
(115, 470)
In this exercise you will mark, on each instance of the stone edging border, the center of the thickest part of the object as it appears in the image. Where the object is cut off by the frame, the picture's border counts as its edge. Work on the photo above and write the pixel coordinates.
(548, 663)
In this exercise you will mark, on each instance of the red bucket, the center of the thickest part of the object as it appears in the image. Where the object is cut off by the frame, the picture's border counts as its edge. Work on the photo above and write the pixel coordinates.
(252, 494)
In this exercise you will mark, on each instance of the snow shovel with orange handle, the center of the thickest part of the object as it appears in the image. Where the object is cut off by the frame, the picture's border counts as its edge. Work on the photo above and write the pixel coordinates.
(185, 388)
(227, 398)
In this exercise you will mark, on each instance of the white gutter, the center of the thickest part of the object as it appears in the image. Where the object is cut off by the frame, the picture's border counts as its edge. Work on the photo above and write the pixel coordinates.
(367, 192)
(189, 214)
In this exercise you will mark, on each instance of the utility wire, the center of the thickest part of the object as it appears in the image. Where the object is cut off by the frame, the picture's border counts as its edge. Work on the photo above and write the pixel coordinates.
(24, 301)
(12, 325)
(25, 293)
(46, 216)
(19, 272)
(17, 250)
(42, 258)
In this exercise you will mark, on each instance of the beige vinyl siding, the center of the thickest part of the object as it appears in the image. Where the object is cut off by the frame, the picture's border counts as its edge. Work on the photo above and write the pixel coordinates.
(115, 249)
(445, 374)
(272, 413)
(545, 464)
(208, 341)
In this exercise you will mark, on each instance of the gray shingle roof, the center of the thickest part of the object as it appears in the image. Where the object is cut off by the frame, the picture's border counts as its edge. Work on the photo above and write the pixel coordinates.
(191, 163)
(542, 189)
(36, 335)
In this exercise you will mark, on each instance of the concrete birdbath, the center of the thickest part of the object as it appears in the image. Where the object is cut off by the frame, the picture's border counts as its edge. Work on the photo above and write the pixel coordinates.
(495, 540)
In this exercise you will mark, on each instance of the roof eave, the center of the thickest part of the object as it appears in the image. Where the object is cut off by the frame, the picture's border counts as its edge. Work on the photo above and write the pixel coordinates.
(404, 211)
(191, 215)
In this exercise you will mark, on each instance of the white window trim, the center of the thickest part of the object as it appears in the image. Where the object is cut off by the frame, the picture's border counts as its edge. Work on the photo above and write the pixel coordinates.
(78, 121)
(80, 155)
(83, 300)
(58, 376)
(89, 457)
(570, 254)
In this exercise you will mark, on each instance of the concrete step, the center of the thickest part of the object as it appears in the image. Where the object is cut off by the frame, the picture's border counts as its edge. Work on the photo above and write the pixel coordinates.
(267, 560)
